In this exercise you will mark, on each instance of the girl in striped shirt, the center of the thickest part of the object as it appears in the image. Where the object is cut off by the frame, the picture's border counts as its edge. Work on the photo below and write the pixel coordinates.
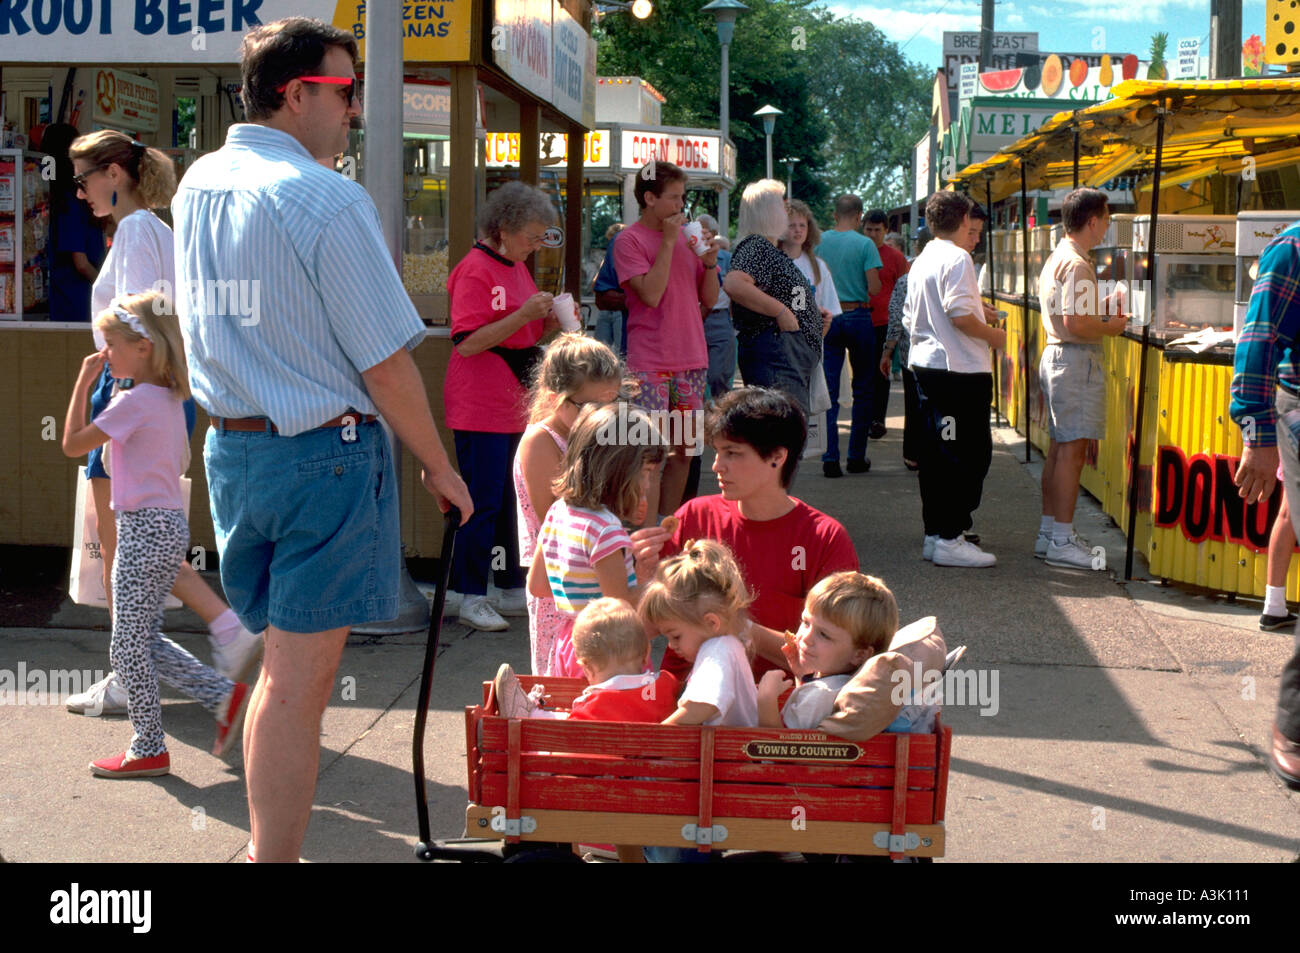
(583, 551)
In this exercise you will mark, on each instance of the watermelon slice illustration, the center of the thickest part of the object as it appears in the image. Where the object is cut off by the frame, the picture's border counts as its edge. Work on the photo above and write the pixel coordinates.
(1000, 81)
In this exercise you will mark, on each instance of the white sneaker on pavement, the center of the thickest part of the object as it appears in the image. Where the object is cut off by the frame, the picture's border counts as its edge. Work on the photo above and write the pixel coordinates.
(963, 553)
(105, 697)
(1073, 554)
(238, 659)
(927, 547)
(477, 613)
(510, 602)
(1041, 542)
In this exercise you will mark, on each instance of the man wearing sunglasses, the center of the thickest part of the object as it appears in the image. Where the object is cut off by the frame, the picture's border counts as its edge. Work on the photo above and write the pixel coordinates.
(301, 479)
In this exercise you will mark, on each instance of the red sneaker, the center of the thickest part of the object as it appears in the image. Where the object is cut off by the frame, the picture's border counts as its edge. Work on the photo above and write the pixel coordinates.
(230, 724)
(124, 766)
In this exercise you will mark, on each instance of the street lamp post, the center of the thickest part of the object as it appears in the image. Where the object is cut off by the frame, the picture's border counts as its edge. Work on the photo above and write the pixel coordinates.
(725, 13)
(789, 176)
(768, 114)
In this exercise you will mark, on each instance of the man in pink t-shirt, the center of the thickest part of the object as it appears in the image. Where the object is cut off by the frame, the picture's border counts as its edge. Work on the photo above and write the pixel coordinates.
(667, 285)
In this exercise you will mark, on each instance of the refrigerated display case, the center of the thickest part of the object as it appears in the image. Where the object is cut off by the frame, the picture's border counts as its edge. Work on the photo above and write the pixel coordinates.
(24, 232)
(1254, 231)
(1195, 274)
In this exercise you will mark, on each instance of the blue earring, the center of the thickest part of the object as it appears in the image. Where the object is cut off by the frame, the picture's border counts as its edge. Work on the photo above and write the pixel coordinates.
(115, 198)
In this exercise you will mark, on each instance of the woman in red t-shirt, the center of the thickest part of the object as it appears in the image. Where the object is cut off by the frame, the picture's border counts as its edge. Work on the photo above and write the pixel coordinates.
(783, 545)
(497, 318)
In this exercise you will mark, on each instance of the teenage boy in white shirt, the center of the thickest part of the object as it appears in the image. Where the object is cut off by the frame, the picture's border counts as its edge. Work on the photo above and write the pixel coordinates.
(952, 332)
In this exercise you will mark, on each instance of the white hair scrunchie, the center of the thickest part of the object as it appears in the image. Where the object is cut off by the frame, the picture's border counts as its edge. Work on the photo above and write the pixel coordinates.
(131, 320)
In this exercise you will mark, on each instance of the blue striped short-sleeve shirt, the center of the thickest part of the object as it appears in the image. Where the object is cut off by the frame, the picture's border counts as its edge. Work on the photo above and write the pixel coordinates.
(285, 290)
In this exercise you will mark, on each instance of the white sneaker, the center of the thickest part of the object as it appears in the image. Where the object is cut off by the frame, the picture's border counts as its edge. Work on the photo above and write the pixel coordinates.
(510, 602)
(1070, 555)
(238, 659)
(477, 613)
(927, 547)
(961, 552)
(512, 700)
(105, 697)
(1041, 543)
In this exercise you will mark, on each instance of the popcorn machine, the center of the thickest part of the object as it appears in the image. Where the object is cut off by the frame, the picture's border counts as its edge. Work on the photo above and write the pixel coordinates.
(1254, 231)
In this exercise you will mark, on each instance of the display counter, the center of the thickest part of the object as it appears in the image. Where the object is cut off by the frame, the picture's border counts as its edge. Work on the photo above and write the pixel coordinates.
(38, 362)
(1191, 526)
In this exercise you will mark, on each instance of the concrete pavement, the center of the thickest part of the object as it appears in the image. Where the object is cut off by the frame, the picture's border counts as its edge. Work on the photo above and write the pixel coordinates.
(1131, 720)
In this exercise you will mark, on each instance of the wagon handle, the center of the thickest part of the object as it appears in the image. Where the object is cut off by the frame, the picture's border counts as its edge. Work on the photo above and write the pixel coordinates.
(451, 522)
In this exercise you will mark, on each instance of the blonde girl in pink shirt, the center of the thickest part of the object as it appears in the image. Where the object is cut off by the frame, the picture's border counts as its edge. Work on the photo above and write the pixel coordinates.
(144, 425)
(575, 371)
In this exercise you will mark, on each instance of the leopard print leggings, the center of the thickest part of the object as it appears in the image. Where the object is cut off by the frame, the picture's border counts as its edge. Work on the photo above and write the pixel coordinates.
(150, 546)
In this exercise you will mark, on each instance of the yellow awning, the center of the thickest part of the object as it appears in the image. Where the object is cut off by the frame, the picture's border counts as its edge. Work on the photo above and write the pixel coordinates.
(1211, 127)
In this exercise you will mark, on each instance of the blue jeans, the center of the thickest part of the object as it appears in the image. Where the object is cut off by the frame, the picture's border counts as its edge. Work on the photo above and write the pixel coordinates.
(307, 526)
(609, 330)
(850, 332)
(720, 336)
(489, 542)
(778, 359)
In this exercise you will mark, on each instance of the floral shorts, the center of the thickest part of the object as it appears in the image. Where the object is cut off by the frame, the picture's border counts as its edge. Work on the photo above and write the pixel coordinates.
(672, 390)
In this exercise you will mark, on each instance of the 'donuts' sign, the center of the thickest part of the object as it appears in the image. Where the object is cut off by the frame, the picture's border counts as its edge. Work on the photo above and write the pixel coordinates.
(802, 751)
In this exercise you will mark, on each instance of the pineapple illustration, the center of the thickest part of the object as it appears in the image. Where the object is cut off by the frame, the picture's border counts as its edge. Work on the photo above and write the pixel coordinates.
(1157, 68)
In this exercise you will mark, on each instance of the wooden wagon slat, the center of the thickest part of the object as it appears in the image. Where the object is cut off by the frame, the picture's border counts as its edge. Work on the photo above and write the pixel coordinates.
(945, 753)
(758, 772)
(683, 797)
(900, 791)
(822, 837)
(669, 741)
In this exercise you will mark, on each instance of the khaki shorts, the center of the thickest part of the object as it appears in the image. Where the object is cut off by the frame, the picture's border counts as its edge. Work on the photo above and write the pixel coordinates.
(1073, 378)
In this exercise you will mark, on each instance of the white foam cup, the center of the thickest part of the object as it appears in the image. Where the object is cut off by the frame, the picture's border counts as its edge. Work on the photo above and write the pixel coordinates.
(566, 311)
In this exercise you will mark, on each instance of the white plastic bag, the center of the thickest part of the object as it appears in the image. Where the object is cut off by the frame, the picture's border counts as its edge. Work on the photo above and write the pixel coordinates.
(86, 584)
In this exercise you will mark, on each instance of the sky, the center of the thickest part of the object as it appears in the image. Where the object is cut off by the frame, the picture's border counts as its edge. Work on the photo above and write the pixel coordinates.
(1065, 26)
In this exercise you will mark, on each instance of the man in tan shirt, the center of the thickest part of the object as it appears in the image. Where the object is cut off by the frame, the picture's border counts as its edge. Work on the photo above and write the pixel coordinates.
(1072, 371)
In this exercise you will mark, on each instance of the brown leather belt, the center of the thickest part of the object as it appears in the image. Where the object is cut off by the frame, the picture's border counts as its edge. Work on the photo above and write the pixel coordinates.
(259, 424)
(854, 305)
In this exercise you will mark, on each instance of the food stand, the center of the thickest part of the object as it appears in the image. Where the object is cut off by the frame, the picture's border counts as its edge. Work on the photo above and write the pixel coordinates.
(1211, 151)
(508, 65)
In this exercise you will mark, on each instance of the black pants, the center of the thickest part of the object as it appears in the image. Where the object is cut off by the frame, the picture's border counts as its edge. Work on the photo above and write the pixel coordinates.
(880, 402)
(956, 447)
(912, 430)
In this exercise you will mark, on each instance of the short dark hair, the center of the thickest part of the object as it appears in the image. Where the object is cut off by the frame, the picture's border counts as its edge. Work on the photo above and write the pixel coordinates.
(1081, 205)
(275, 53)
(877, 216)
(768, 420)
(977, 212)
(847, 206)
(944, 211)
(654, 177)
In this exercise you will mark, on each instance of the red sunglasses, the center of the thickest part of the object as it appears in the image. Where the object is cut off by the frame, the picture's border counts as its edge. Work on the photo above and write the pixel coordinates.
(352, 87)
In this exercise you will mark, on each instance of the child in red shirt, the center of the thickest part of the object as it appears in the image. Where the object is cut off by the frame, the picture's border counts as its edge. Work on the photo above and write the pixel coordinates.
(614, 653)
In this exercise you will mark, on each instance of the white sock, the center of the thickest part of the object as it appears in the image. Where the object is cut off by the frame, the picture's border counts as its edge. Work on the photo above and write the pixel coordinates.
(1275, 600)
(1061, 532)
(225, 628)
(1045, 526)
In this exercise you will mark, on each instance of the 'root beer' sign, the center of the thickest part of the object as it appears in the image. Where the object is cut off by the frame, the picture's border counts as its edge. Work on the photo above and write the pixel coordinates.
(692, 153)
(1197, 495)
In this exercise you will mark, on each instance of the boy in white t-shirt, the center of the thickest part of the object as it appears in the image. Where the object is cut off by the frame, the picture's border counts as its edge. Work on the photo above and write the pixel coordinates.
(848, 617)
(697, 600)
(951, 332)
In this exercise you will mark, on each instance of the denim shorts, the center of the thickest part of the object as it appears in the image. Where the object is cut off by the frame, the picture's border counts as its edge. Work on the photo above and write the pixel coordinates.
(307, 526)
(1073, 378)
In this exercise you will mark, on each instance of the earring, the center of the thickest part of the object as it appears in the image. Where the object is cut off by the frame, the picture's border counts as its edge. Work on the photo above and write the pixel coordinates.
(114, 199)
(774, 466)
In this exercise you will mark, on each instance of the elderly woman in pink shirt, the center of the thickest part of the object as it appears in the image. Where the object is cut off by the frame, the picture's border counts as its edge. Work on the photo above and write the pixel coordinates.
(497, 318)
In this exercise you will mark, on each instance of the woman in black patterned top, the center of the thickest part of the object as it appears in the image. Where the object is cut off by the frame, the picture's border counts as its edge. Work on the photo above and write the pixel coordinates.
(778, 325)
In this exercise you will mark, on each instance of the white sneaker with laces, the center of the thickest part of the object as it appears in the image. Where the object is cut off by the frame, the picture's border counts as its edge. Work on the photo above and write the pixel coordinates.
(927, 547)
(1041, 542)
(510, 602)
(238, 659)
(105, 697)
(1073, 554)
(963, 553)
(477, 613)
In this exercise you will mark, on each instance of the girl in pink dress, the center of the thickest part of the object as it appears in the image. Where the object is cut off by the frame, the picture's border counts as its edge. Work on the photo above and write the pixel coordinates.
(576, 370)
